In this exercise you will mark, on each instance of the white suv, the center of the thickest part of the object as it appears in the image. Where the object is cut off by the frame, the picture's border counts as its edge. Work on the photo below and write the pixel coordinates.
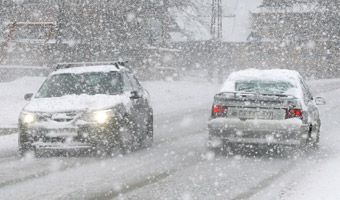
(86, 106)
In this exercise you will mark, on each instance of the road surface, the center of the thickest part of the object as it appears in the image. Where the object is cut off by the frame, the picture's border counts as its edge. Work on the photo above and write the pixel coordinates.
(178, 166)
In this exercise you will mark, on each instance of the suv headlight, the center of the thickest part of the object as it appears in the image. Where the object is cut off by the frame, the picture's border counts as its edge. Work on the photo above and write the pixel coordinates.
(28, 118)
(99, 117)
(103, 116)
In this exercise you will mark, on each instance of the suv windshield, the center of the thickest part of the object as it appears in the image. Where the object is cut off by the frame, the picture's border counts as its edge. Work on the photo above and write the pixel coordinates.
(76, 84)
(264, 86)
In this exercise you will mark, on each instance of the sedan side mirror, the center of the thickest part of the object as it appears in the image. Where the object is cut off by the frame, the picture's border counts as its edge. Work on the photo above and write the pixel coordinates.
(135, 95)
(320, 101)
(28, 96)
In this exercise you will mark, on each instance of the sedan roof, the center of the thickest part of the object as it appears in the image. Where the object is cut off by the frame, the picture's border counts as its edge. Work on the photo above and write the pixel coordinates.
(272, 74)
(281, 75)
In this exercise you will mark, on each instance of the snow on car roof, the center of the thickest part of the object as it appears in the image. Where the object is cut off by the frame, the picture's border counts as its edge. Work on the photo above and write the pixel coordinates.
(272, 74)
(88, 69)
(290, 76)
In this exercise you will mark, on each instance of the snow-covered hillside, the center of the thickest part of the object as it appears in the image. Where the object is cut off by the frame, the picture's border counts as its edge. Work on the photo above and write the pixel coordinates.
(194, 20)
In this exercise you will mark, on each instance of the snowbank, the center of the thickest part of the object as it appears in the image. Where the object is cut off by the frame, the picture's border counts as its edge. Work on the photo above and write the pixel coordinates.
(194, 21)
(191, 28)
(321, 183)
(302, 7)
(237, 26)
(12, 99)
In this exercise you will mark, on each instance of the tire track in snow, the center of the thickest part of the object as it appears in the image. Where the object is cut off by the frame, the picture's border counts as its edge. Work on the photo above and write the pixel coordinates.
(41, 173)
(8, 159)
(264, 183)
(294, 165)
(35, 175)
(147, 179)
(150, 178)
(131, 186)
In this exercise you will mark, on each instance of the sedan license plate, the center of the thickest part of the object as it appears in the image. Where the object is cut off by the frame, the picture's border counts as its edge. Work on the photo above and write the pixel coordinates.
(246, 114)
(251, 114)
(265, 115)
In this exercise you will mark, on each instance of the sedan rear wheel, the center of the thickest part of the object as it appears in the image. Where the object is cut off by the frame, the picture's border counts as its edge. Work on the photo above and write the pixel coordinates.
(313, 137)
(317, 135)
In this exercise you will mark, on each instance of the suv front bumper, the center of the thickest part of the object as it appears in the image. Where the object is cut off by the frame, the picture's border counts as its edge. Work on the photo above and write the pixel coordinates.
(75, 137)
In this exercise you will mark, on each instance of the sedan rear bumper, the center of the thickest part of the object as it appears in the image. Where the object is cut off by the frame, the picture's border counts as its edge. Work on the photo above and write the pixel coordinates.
(217, 141)
(281, 132)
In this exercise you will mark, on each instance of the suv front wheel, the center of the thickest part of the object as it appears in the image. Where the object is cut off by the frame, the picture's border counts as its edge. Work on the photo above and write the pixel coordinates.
(25, 146)
(147, 138)
(127, 137)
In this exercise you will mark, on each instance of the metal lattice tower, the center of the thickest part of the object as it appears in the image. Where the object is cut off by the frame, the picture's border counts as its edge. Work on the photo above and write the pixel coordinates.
(216, 20)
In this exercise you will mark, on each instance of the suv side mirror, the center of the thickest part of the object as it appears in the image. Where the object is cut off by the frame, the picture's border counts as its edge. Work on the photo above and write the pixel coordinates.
(28, 96)
(320, 101)
(135, 95)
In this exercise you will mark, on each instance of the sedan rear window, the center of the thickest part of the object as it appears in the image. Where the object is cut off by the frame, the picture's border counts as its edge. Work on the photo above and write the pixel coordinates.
(264, 86)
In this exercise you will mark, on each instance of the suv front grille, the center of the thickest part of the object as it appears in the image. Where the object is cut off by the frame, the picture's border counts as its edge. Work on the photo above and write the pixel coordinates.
(59, 117)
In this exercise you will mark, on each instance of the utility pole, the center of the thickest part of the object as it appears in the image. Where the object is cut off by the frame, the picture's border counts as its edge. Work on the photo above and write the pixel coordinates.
(165, 21)
(216, 20)
(11, 28)
(60, 21)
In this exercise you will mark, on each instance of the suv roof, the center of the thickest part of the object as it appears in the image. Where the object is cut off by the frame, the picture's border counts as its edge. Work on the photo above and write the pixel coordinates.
(86, 67)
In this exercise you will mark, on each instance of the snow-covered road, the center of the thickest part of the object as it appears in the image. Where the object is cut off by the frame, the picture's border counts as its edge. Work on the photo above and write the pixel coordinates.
(179, 166)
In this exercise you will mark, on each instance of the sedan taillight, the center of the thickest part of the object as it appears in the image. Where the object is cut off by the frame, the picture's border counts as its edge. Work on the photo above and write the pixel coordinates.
(294, 113)
(219, 111)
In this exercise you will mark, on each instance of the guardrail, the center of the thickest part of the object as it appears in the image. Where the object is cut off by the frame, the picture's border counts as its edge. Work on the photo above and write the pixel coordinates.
(8, 131)
(9, 73)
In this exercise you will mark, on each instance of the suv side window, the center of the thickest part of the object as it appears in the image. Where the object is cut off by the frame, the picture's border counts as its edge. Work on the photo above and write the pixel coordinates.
(127, 84)
(135, 83)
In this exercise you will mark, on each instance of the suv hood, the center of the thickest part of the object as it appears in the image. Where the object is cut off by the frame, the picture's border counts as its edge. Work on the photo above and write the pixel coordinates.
(75, 103)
